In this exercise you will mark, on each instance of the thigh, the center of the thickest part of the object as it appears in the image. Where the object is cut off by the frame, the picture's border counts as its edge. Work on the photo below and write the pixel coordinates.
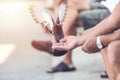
(114, 55)
(114, 48)
(92, 17)
(114, 52)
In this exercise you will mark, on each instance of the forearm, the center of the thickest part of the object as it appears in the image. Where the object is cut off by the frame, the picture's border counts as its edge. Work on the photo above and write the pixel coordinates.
(106, 39)
(108, 25)
(104, 27)
(100, 29)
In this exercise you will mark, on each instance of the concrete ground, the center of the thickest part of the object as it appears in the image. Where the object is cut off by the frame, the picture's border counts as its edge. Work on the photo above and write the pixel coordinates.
(19, 61)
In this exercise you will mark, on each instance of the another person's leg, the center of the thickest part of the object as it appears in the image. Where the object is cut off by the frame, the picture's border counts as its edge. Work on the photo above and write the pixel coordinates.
(73, 6)
(68, 29)
(111, 57)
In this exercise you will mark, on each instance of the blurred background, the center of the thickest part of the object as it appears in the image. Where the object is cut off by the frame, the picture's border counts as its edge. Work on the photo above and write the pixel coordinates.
(20, 61)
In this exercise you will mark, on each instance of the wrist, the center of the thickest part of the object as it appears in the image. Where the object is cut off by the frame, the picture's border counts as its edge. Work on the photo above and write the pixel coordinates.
(81, 41)
(99, 43)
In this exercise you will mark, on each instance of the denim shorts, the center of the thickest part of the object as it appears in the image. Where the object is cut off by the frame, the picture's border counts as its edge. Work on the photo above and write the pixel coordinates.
(94, 15)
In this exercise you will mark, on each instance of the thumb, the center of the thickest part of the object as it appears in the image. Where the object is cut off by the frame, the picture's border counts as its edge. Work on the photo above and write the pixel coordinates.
(83, 48)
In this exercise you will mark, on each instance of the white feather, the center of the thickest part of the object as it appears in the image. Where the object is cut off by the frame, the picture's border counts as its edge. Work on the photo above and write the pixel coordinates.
(43, 16)
(62, 11)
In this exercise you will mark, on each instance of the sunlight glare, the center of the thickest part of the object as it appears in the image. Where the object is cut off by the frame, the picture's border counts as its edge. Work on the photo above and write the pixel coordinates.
(12, 6)
(5, 51)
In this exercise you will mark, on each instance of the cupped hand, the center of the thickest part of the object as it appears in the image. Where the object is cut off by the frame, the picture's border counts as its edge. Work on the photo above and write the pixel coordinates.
(67, 43)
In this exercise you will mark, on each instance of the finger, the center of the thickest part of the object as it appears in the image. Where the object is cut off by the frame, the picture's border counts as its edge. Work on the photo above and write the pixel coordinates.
(59, 46)
(63, 40)
(84, 48)
(89, 51)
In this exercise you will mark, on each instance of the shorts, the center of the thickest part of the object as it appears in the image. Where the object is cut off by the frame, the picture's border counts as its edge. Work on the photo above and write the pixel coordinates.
(94, 15)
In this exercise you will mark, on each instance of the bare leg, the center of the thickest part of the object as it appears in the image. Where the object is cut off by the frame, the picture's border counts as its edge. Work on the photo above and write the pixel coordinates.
(111, 57)
(69, 22)
(69, 29)
(110, 72)
(114, 58)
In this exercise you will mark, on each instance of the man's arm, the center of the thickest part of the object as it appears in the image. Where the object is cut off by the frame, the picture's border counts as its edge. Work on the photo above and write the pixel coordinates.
(106, 39)
(90, 45)
(108, 25)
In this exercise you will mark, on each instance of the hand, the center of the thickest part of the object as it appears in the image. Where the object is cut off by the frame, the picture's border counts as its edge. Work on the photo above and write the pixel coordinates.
(90, 45)
(67, 43)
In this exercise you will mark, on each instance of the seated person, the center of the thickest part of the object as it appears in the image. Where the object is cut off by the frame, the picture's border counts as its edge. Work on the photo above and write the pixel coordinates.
(104, 37)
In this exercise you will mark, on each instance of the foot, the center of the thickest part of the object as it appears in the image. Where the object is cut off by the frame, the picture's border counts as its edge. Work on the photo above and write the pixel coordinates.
(46, 47)
(43, 46)
(61, 67)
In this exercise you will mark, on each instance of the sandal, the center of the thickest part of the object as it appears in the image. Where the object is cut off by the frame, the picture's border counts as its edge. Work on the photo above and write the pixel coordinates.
(104, 75)
(61, 67)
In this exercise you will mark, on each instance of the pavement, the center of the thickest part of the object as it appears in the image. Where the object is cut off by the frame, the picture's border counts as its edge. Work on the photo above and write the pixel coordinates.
(20, 61)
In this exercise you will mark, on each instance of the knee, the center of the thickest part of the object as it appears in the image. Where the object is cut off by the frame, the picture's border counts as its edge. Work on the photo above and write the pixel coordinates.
(113, 52)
